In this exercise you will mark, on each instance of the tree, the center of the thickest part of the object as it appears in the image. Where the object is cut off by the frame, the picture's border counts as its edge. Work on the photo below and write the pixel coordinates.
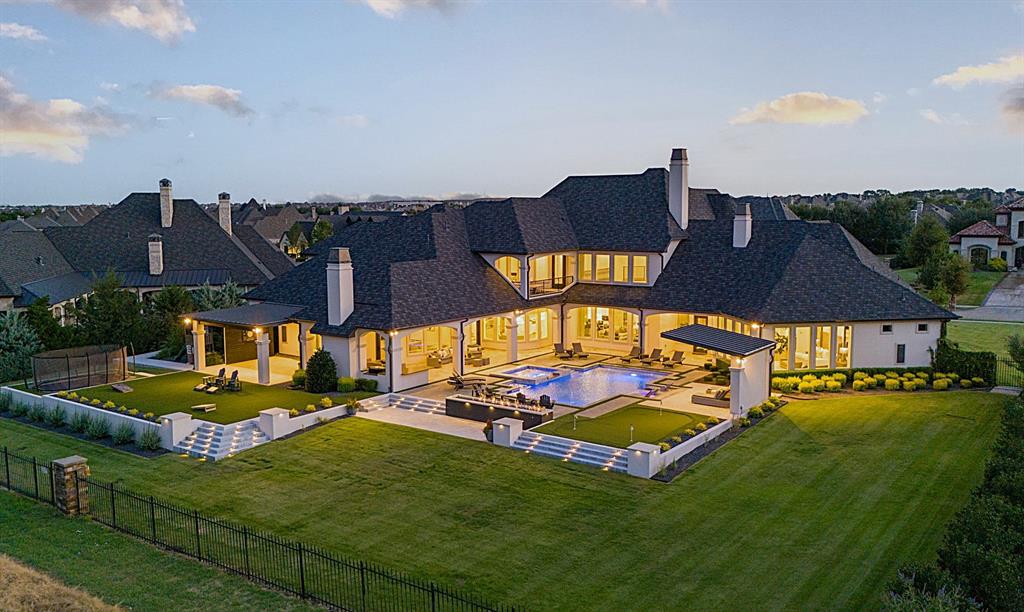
(208, 298)
(48, 329)
(887, 224)
(18, 342)
(321, 373)
(1015, 347)
(322, 230)
(966, 217)
(929, 276)
(926, 239)
(111, 315)
(163, 313)
(955, 275)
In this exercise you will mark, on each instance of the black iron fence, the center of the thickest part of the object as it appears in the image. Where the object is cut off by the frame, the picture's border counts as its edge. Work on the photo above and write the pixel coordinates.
(306, 571)
(27, 476)
(1007, 373)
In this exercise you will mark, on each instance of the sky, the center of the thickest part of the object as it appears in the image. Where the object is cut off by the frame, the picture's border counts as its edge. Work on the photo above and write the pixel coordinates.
(347, 99)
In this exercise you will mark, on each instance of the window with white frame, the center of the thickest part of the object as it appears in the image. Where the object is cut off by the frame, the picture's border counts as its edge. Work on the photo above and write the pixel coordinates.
(886, 328)
(922, 328)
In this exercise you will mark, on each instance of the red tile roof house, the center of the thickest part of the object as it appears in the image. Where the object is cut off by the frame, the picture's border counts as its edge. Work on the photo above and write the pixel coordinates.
(1004, 239)
(612, 262)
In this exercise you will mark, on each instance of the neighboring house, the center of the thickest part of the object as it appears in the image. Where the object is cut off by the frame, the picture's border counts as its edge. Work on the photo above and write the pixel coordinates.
(1003, 239)
(612, 262)
(150, 240)
(301, 233)
(270, 222)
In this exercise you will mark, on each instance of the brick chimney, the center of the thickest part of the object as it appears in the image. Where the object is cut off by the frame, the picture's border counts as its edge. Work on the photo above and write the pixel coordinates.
(679, 187)
(340, 302)
(224, 211)
(742, 226)
(166, 203)
(156, 254)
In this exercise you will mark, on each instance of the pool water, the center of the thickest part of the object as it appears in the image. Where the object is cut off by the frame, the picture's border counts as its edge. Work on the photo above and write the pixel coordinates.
(585, 387)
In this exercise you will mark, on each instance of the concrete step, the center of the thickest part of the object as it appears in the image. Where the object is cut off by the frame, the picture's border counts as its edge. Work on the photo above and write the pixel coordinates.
(585, 453)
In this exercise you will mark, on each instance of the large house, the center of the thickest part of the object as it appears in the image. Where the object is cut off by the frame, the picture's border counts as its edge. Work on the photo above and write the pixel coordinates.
(1004, 239)
(612, 262)
(150, 240)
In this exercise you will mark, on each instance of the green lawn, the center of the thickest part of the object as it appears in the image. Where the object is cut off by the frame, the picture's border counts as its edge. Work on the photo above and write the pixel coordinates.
(649, 425)
(122, 570)
(977, 289)
(983, 335)
(173, 393)
(814, 508)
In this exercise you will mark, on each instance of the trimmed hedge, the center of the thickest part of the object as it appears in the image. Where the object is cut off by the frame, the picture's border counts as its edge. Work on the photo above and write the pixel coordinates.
(968, 364)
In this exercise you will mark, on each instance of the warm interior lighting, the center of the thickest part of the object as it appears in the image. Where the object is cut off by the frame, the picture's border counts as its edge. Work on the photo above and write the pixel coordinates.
(257, 330)
(188, 321)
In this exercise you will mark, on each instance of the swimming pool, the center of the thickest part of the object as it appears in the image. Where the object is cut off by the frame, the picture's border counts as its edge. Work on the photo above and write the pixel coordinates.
(585, 387)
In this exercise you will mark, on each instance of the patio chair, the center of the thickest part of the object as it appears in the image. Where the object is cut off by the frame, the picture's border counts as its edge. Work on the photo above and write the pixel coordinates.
(577, 351)
(545, 402)
(561, 353)
(676, 359)
(461, 382)
(633, 354)
(209, 381)
(520, 398)
(654, 356)
(233, 384)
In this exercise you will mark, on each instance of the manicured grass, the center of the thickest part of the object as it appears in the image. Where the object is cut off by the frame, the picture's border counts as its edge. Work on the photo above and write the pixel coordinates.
(983, 336)
(814, 508)
(120, 569)
(977, 289)
(173, 393)
(649, 425)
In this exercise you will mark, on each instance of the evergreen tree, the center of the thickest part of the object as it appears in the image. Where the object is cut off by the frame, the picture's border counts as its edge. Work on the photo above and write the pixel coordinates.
(926, 239)
(955, 275)
(163, 315)
(48, 329)
(321, 231)
(18, 342)
(111, 315)
(321, 373)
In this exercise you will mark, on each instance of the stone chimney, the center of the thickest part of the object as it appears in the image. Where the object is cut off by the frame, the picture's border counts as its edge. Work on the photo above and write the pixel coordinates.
(156, 254)
(224, 211)
(166, 203)
(340, 302)
(742, 226)
(679, 187)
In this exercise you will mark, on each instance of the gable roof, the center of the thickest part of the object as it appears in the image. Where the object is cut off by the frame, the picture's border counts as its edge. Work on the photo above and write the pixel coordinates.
(981, 229)
(117, 239)
(25, 257)
(619, 212)
(276, 261)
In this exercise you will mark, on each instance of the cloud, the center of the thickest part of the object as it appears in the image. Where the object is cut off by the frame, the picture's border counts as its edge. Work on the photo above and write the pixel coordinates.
(1006, 70)
(21, 32)
(107, 86)
(1013, 109)
(353, 121)
(393, 8)
(227, 100)
(165, 20)
(55, 130)
(935, 117)
(879, 97)
(806, 107)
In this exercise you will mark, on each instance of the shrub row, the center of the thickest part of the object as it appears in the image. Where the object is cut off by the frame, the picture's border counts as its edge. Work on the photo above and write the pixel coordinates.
(889, 380)
(344, 384)
(108, 405)
(981, 561)
(351, 406)
(97, 428)
(757, 412)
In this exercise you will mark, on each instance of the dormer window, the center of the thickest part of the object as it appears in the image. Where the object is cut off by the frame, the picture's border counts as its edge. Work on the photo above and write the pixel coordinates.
(509, 268)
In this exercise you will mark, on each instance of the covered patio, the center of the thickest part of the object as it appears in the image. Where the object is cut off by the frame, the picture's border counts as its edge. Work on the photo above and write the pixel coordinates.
(266, 343)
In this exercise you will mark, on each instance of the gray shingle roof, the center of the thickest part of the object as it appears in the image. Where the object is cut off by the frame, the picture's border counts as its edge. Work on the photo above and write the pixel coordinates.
(271, 257)
(56, 288)
(27, 256)
(721, 340)
(519, 226)
(249, 315)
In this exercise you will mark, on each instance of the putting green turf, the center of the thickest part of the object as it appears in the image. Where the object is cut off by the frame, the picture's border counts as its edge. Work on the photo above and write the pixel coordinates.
(815, 508)
(173, 393)
(649, 425)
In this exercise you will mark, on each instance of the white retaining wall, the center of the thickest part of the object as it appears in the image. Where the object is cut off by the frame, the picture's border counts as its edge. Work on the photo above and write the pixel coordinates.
(278, 422)
(677, 452)
(114, 419)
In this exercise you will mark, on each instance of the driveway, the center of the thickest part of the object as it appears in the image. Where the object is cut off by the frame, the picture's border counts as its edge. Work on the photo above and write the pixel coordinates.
(1004, 303)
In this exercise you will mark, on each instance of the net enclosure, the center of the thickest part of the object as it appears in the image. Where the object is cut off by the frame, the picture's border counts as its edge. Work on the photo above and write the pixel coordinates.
(80, 366)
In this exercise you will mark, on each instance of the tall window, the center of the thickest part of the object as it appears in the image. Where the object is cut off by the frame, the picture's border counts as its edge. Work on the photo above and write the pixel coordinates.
(824, 347)
(782, 348)
(802, 357)
(586, 266)
(843, 346)
(608, 324)
(509, 268)
(640, 269)
(602, 268)
(622, 268)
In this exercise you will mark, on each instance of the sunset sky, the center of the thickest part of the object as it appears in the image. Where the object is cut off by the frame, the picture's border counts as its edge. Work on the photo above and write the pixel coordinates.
(288, 101)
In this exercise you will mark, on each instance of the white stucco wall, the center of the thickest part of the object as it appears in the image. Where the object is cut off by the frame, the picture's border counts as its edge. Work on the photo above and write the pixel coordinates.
(754, 386)
(873, 349)
(343, 351)
(969, 242)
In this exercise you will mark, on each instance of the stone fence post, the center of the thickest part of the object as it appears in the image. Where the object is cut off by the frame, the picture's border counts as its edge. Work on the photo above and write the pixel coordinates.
(70, 485)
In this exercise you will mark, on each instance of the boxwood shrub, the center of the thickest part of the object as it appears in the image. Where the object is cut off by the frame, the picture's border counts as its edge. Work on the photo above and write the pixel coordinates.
(892, 384)
(321, 373)
(859, 385)
(346, 384)
(833, 386)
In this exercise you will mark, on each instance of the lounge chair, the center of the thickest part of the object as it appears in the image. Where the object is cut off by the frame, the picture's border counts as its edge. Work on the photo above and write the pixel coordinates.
(461, 382)
(545, 402)
(633, 354)
(233, 384)
(561, 353)
(577, 351)
(676, 359)
(654, 356)
(209, 381)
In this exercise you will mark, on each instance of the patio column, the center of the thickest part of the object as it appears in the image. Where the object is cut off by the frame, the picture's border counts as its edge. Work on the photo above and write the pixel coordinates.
(394, 361)
(198, 345)
(513, 338)
(262, 356)
(304, 343)
(460, 351)
(736, 388)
